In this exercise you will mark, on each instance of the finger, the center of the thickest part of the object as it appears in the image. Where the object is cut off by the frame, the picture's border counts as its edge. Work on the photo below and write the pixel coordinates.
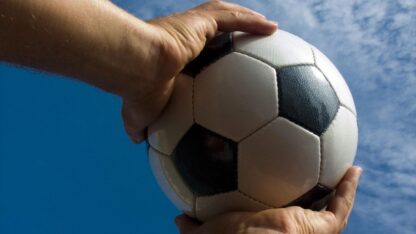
(131, 126)
(221, 5)
(228, 21)
(341, 204)
(185, 224)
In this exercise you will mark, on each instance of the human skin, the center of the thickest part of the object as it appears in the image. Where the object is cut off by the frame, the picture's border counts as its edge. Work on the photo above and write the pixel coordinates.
(96, 42)
(293, 219)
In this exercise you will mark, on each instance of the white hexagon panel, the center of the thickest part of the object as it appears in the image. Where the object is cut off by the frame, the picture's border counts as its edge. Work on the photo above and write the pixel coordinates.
(235, 96)
(279, 163)
(335, 79)
(170, 182)
(175, 120)
(339, 146)
(280, 49)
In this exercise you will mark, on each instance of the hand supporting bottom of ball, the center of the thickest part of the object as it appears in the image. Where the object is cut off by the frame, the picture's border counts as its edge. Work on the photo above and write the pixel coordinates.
(284, 220)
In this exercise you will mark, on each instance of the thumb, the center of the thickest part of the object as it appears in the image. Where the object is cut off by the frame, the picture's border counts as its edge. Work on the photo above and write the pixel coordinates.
(185, 224)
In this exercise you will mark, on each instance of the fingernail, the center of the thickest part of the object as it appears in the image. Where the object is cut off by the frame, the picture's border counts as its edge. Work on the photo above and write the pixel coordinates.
(359, 171)
(261, 15)
(258, 14)
(135, 139)
(273, 22)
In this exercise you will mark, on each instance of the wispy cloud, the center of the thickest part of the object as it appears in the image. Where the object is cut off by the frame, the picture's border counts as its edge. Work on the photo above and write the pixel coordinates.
(373, 44)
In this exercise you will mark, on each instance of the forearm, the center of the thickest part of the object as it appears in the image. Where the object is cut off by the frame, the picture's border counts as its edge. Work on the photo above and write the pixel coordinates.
(95, 41)
(90, 40)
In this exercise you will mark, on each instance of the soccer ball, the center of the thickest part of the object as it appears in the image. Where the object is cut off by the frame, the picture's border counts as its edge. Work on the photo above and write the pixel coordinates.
(254, 122)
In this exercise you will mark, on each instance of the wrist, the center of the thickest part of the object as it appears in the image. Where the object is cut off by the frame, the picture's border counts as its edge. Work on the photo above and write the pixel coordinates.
(126, 49)
(138, 59)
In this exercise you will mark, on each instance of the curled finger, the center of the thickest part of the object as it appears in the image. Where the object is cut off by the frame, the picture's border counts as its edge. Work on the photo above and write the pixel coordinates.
(228, 21)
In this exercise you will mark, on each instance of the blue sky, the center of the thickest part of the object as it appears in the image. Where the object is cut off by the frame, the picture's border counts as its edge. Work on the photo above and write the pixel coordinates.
(66, 165)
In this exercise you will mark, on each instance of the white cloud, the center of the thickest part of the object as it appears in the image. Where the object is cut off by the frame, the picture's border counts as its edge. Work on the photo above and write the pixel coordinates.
(373, 44)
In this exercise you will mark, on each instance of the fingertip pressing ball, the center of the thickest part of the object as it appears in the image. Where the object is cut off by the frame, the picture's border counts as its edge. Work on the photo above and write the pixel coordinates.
(254, 122)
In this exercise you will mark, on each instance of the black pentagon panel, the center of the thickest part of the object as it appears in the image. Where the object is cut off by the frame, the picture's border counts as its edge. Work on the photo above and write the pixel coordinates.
(314, 199)
(216, 48)
(206, 161)
(306, 97)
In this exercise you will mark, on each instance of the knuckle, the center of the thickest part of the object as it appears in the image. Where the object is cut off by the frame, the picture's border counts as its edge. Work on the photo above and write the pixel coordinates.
(192, 12)
(297, 209)
(212, 4)
(347, 203)
(329, 217)
(282, 221)
(216, 2)
(235, 14)
(209, 19)
(334, 225)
